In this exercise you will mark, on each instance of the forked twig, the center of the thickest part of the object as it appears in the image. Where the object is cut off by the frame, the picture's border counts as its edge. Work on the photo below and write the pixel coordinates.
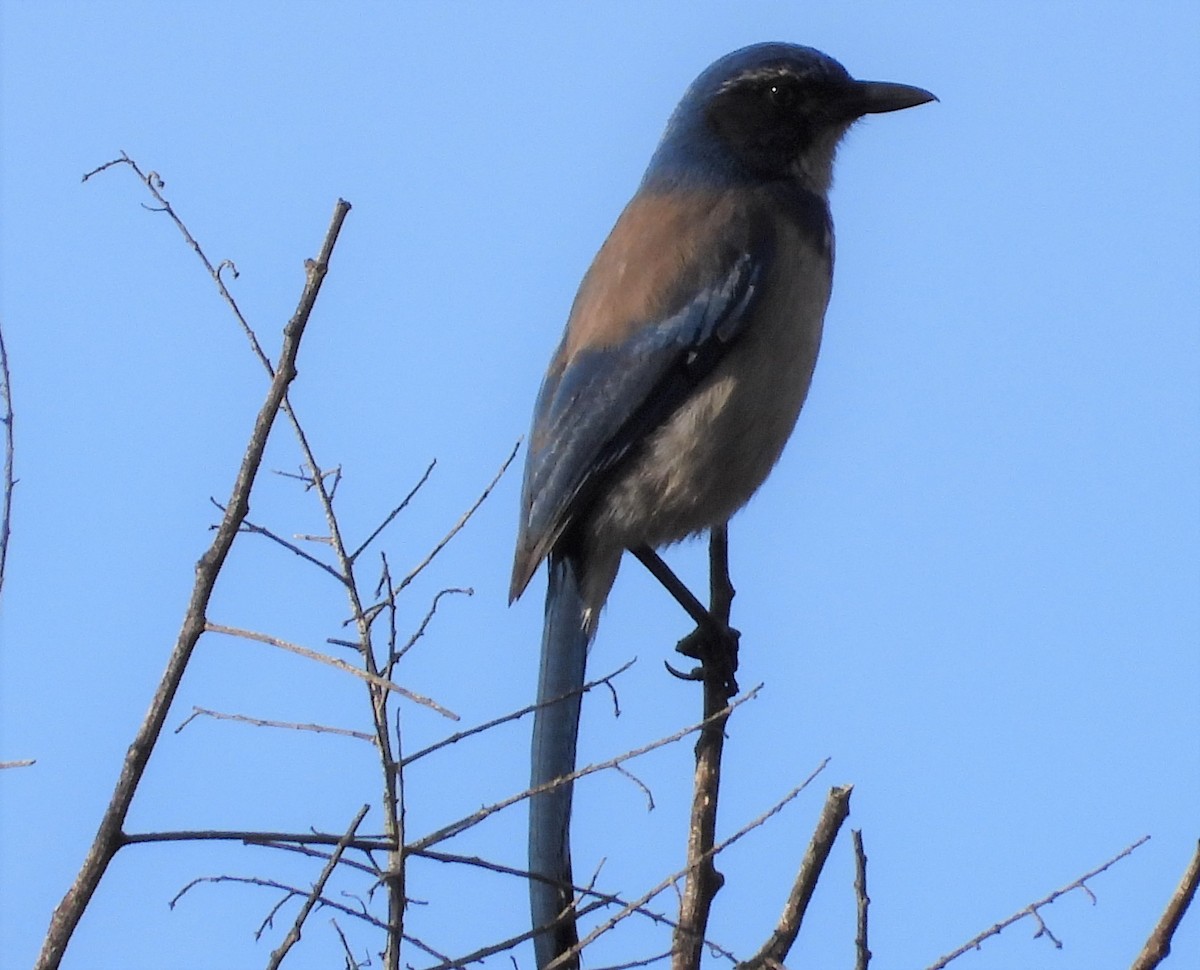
(293, 935)
(634, 905)
(1032, 909)
(468, 821)
(108, 837)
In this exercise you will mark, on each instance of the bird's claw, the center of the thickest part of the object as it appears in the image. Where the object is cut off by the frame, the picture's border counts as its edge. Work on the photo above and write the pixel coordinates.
(696, 673)
(717, 650)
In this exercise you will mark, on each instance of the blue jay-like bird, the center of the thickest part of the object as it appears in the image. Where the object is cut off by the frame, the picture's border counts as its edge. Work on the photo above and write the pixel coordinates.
(686, 358)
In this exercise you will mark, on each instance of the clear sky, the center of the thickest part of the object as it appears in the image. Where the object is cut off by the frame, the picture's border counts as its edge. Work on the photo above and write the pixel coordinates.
(973, 581)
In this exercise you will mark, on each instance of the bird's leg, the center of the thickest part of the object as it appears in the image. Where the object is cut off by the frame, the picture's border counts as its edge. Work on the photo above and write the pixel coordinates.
(714, 642)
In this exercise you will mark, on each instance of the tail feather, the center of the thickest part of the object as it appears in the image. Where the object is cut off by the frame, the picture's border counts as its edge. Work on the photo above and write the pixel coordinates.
(555, 728)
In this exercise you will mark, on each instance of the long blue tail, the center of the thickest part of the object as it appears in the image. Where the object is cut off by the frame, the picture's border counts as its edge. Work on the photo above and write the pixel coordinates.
(555, 728)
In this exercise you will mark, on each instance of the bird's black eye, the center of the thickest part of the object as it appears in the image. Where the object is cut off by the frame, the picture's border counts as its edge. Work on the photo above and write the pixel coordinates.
(781, 94)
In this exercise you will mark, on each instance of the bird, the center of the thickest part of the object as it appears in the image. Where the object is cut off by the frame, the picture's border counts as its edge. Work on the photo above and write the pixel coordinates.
(686, 358)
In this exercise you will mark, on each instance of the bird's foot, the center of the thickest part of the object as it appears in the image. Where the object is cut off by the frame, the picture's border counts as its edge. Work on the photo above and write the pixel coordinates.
(715, 645)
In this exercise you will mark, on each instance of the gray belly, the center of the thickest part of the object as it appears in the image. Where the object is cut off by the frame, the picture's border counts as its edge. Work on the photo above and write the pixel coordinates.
(710, 457)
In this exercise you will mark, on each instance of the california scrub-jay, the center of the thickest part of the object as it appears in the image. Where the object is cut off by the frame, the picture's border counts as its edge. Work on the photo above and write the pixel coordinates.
(686, 358)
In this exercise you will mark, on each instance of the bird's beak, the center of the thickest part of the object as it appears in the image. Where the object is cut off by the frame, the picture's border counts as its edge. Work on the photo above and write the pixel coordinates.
(876, 97)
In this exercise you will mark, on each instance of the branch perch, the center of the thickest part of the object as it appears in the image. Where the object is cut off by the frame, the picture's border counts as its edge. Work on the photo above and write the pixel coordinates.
(1158, 946)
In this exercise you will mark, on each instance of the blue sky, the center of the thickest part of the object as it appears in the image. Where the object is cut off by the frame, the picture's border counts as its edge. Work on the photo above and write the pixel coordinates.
(973, 581)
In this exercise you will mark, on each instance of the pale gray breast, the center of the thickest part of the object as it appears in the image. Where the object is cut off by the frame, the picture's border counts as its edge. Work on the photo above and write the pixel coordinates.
(710, 457)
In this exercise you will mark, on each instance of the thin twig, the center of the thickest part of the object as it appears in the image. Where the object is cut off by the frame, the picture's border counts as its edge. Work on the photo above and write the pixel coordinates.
(293, 935)
(458, 526)
(153, 181)
(644, 962)
(332, 662)
(637, 904)
(1158, 946)
(1032, 908)
(610, 899)
(272, 839)
(396, 654)
(248, 526)
(260, 722)
(9, 484)
(307, 850)
(469, 821)
(396, 511)
(777, 946)
(360, 914)
(351, 960)
(108, 837)
(513, 716)
(500, 946)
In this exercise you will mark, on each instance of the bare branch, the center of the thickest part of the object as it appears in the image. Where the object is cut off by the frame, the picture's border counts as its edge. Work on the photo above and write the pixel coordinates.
(425, 620)
(396, 511)
(1158, 946)
(332, 662)
(639, 903)
(293, 936)
(108, 836)
(352, 962)
(703, 880)
(360, 914)
(645, 962)
(270, 839)
(515, 715)
(248, 526)
(9, 483)
(155, 184)
(1032, 908)
(458, 526)
(500, 947)
(862, 953)
(775, 950)
(469, 821)
(289, 725)
(609, 899)
(306, 850)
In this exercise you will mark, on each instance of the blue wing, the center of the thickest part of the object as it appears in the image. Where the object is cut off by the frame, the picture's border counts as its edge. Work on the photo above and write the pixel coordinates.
(599, 401)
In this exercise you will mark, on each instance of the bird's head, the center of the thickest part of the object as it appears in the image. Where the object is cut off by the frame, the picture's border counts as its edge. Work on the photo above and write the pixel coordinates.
(770, 111)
